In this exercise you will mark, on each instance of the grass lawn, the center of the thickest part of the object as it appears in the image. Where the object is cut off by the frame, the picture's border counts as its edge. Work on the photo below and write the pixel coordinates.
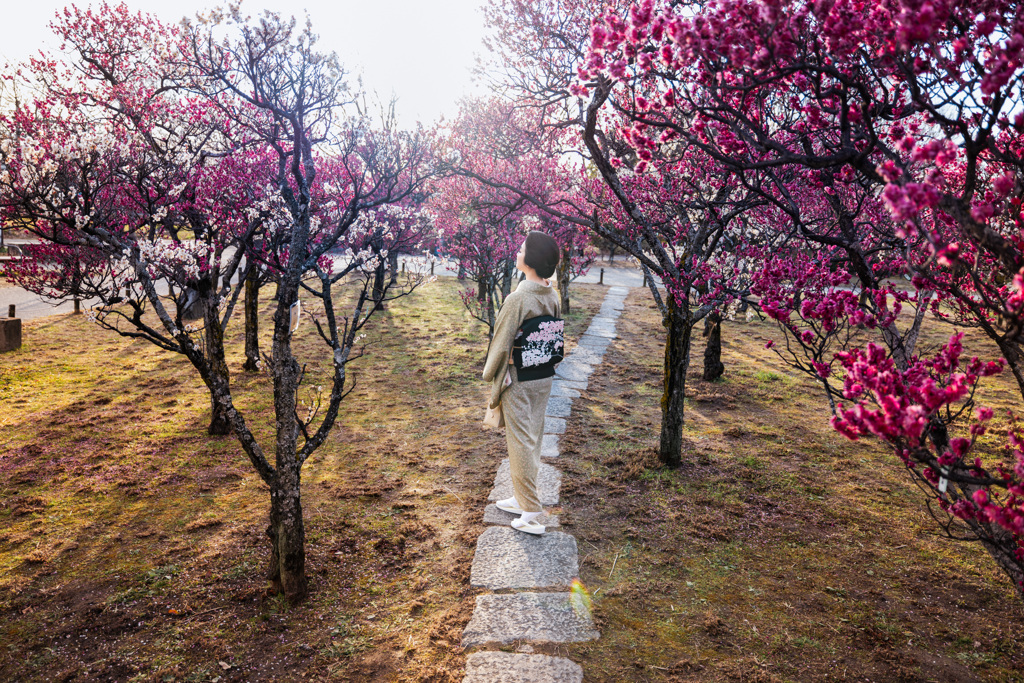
(132, 545)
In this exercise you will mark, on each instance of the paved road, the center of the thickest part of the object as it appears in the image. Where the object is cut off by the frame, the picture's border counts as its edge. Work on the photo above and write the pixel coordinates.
(29, 306)
(614, 276)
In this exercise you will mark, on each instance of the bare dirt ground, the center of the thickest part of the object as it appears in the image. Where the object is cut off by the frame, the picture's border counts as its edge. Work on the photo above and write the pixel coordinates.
(132, 545)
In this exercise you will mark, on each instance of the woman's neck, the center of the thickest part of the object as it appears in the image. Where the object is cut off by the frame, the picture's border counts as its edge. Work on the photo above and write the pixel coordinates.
(533, 277)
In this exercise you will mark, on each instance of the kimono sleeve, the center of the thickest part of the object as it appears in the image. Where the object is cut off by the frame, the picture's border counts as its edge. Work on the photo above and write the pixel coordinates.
(505, 328)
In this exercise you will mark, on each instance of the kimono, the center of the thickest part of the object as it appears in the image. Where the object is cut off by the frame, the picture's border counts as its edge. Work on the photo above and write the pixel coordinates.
(523, 404)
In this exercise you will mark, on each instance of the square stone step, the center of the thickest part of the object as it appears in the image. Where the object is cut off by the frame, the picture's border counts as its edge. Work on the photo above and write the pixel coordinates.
(511, 667)
(492, 515)
(574, 372)
(507, 558)
(549, 446)
(612, 306)
(601, 330)
(537, 617)
(558, 406)
(554, 425)
(618, 291)
(549, 481)
(564, 385)
(585, 354)
(596, 342)
(560, 388)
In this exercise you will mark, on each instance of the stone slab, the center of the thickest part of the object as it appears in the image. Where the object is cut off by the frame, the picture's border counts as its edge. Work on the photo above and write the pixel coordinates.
(567, 384)
(510, 667)
(549, 446)
(574, 372)
(506, 558)
(608, 332)
(492, 515)
(604, 320)
(618, 291)
(560, 388)
(550, 617)
(559, 406)
(554, 425)
(585, 354)
(549, 481)
(595, 342)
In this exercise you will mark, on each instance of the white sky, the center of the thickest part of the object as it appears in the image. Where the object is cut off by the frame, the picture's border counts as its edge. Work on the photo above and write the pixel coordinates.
(420, 50)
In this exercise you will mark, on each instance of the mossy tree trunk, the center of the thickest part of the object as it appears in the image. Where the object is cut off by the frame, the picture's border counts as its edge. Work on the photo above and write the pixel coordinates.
(713, 367)
(679, 327)
(563, 280)
(252, 322)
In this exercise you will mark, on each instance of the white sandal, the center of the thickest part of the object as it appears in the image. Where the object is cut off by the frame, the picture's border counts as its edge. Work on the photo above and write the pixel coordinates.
(532, 527)
(509, 505)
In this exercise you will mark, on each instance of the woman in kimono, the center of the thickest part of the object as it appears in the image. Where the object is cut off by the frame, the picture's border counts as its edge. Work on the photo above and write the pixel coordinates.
(523, 404)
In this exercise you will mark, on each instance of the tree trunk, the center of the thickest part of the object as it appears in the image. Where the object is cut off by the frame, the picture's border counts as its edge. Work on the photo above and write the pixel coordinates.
(563, 280)
(252, 322)
(379, 274)
(507, 278)
(220, 425)
(1000, 543)
(490, 312)
(1013, 356)
(393, 266)
(287, 573)
(713, 367)
(194, 305)
(677, 361)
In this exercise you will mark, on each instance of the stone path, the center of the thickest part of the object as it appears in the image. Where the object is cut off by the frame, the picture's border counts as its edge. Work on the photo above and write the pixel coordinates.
(536, 573)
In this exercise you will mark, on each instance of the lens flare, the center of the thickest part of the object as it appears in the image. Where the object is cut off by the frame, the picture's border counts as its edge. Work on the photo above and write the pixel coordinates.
(579, 598)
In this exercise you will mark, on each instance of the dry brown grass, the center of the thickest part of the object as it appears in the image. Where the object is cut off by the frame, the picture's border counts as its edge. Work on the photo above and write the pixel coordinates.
(132, 545)
(779, 551)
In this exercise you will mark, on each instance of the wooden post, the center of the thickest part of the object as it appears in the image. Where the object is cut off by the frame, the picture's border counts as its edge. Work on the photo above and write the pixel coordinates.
(431, 267)
(601, 281)
(403, 267)
(10, 311)
(78, 305)
(645, 279)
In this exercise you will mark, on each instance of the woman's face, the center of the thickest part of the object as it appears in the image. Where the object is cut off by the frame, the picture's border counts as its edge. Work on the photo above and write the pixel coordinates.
(520, 262)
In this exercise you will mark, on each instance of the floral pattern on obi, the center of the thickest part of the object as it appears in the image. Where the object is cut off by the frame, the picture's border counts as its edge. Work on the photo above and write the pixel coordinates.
(541, 346)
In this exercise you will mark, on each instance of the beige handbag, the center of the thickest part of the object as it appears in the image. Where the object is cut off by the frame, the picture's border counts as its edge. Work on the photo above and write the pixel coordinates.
(494, 418)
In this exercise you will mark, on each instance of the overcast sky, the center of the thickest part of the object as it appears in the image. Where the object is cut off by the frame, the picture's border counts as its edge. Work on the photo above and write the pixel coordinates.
(420, 50)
